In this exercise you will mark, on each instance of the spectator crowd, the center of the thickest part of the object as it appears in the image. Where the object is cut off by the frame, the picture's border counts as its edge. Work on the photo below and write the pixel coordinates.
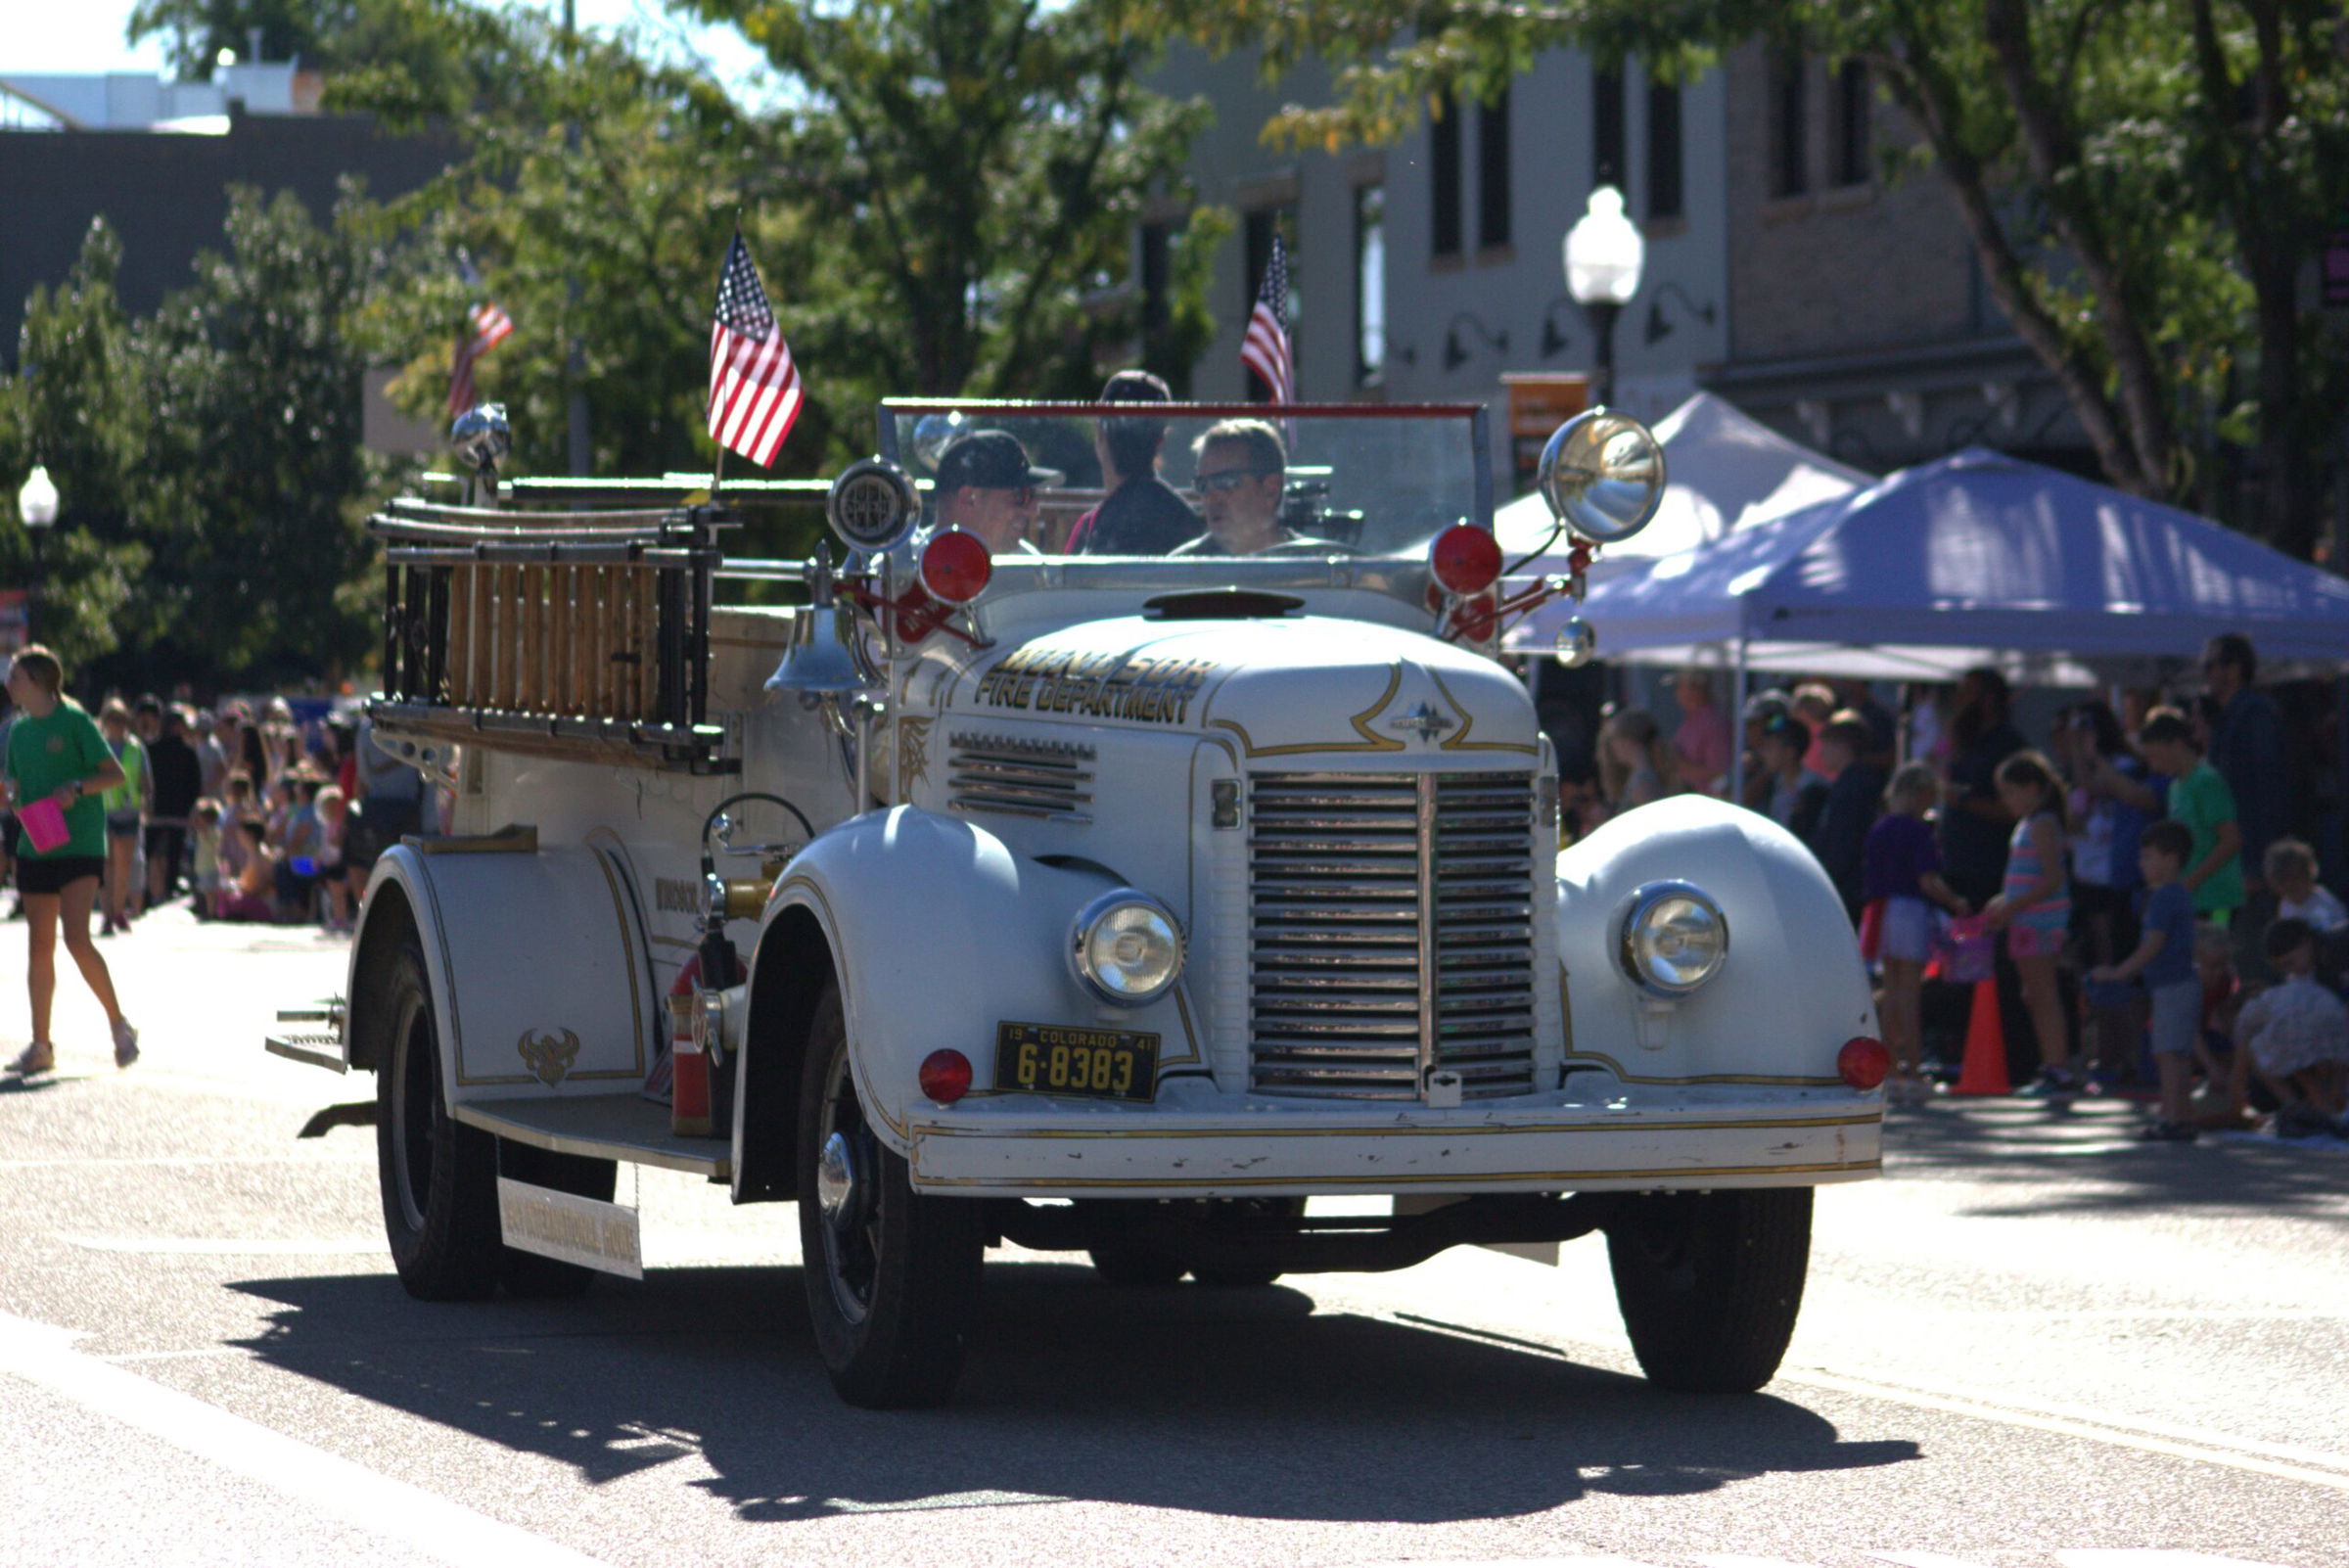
(2132, 882)
(240, 811)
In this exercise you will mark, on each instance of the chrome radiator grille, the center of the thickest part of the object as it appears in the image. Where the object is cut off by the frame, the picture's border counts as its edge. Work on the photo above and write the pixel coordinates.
(1391, 920)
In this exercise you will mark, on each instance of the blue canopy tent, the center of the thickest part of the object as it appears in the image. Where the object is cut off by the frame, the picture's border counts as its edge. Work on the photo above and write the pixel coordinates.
(1976, 558)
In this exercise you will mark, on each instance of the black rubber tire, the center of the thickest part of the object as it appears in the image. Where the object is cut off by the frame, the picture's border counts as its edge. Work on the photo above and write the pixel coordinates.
(527, 1274)
(438, 1176)
(1710, 1284)
(891, 1295)
(1249, 1209)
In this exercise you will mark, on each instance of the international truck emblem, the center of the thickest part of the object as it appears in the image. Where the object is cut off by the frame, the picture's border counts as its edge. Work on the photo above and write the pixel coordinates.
(1423, 721)
(549, 1056)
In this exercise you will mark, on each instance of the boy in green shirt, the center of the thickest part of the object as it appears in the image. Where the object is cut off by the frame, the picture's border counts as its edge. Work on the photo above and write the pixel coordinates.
(55, 753)
(2199, 799)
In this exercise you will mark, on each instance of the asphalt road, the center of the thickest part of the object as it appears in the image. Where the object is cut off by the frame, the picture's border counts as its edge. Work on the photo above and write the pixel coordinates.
(2035, 1344)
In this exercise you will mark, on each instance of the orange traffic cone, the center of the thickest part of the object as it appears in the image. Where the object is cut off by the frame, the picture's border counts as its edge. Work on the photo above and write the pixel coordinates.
(1985, 1069)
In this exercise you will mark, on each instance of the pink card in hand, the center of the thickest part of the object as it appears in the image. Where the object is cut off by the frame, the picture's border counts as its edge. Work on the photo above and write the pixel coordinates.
(44, 824)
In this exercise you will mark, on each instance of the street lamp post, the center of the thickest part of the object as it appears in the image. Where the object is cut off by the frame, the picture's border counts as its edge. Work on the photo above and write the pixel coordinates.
(36, 504)
(1604, 253)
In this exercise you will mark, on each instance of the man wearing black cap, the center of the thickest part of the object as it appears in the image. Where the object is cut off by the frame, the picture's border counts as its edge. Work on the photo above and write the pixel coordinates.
(986, 485)
(1142, 515)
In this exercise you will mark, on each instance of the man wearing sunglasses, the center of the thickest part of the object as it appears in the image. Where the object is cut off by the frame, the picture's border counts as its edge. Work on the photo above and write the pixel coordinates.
(986, 485)
(1243, 465)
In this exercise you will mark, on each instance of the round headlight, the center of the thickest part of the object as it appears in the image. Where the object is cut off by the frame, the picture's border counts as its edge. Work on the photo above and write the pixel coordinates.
(1126, 948)
(1675, 937)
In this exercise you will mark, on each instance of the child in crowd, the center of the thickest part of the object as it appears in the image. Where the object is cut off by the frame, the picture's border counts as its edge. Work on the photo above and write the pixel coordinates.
(2200, 799)
(2164, 961)
(2034, 908)
(1792, 796)
(248, 898)
(334, 815)
(1635, 762)
(2225, 1070)
(2292, 870)
(204, 847)
(125, 818)
(1900, 869)
(2296, 1033)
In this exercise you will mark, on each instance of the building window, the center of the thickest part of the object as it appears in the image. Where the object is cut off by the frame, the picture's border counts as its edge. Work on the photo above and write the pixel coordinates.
(1664, 193)
(1789, 119)
(1853, 140)
(1606, 128)
(1492, 172)
(1370, 284)
(1444, 177)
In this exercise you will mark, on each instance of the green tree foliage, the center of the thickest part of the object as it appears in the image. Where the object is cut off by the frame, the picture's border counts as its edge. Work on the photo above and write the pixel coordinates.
(969, 173)
(597, 200)
(944, 205)
(254, 480)
(207, 459)
(407, 58)
(75, 407)
(2145, 183)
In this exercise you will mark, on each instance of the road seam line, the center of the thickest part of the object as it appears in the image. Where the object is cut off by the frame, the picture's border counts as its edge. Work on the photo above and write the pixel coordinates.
(375, 1503)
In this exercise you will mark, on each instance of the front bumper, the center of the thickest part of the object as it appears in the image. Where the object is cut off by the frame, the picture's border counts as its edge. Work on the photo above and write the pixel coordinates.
(1019, 1146)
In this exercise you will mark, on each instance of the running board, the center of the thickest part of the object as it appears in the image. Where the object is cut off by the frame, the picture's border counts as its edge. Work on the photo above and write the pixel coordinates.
(625, 1126)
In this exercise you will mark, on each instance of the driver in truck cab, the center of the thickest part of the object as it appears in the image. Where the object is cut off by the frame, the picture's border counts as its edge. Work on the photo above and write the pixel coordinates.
(986, 485)
(1242, 470)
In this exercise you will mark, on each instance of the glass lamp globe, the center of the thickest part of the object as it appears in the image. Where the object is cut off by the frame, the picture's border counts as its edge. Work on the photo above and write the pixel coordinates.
(1604, 252)
(37, 502)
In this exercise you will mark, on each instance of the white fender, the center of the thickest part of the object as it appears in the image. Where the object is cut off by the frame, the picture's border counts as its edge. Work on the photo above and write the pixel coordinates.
(939, 932)
(538, 964)
(1792, 991)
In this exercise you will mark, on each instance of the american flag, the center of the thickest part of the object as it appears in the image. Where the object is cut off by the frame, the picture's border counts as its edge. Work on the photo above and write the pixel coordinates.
(754, 392)
(485, 327)
(1266, 348)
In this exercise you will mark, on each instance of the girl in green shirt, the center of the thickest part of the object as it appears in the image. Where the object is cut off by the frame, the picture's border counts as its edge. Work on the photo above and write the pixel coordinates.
(55, 753)
(126, 813)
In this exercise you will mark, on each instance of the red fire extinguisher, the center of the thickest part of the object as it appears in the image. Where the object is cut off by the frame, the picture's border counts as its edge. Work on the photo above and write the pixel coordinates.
(689, 1068)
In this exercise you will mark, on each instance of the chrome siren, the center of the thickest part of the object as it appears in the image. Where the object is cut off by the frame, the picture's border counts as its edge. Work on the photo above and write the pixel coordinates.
(872, 506)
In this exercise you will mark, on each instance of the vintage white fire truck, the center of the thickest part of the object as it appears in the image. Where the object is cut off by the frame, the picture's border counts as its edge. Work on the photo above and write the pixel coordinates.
(1115, 905)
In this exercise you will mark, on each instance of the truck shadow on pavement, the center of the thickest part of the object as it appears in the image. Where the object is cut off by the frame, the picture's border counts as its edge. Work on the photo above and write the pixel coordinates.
(2082, 1158)
(1239, 1402)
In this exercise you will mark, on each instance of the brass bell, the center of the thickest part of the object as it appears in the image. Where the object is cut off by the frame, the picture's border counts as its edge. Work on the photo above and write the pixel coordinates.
(823, 663)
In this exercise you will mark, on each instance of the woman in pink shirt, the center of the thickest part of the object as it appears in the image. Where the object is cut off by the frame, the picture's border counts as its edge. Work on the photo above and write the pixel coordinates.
(1701, 743)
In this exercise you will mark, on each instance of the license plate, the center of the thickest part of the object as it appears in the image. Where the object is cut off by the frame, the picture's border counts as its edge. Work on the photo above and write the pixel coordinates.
(1098, 1064)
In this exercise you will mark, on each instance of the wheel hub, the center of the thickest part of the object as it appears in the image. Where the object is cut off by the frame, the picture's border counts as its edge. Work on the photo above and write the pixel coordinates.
(836, 1185)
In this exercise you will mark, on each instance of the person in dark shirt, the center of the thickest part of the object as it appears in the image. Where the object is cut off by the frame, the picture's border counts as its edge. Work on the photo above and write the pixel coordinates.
(178, 783)
(1853, 802)
(1974, 825)
(2246, 747)
(1142, 515)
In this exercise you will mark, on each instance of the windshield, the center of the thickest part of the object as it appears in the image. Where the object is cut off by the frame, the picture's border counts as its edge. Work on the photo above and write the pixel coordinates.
(1241, 479)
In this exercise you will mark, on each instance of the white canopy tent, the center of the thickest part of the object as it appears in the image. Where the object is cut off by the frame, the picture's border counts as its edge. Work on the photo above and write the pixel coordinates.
(1977, 558)
(1722, 470)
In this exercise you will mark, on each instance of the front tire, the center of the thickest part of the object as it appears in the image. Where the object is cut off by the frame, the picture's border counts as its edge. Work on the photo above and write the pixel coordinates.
(893, 1277)
(438, 1176)
(1710, 1284)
